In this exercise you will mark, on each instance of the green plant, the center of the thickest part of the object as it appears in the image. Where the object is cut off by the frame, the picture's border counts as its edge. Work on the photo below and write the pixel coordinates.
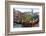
(27, 18)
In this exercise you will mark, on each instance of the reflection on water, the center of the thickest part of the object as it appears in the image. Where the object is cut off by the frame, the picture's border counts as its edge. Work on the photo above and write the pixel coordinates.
(20, 25)
(17, 25)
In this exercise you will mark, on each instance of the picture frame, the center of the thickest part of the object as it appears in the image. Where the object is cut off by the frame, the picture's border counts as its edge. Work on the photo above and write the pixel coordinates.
(8, 17)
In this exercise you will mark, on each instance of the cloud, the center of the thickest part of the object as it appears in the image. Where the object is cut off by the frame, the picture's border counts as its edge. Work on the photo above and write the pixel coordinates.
(27, 9)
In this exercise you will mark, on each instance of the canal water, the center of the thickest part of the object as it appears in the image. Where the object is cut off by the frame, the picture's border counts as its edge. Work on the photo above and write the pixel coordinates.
(20, 25)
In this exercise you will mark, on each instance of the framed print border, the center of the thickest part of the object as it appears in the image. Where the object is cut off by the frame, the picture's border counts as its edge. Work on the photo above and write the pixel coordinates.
(7, 18)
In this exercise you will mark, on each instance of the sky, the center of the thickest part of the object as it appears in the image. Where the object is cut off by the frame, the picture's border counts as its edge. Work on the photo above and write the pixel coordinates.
(27, 9)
